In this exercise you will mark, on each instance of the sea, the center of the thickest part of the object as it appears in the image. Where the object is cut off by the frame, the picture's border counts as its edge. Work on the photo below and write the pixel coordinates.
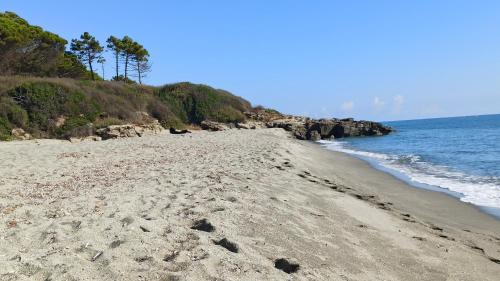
(456, 155)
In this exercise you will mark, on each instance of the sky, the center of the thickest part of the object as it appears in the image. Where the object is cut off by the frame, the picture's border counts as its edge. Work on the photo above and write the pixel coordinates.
(378, 60)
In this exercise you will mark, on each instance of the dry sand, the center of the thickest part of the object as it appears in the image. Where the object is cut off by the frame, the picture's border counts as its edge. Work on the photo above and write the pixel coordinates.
(124, 210)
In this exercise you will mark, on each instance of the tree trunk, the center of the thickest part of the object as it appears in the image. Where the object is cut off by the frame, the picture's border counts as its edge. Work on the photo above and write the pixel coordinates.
(116, 57)
(139, 72)
(91, 69)
(126, 65)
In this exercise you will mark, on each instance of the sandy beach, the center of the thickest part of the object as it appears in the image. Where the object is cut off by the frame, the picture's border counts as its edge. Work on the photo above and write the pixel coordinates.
(231, 205)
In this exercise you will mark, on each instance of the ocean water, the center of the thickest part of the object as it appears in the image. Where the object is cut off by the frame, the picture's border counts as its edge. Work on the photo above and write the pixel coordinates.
(458, 155)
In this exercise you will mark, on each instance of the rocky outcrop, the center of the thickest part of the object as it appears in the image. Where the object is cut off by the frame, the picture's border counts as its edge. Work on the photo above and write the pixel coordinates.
(250, 125)
(217, 126)
(303, 128)
(129, 130)
(20, 134)
(214, 126)
(315, 129)
(89, 138)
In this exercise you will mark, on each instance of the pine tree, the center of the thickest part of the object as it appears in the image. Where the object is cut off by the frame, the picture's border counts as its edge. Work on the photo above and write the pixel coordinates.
(87, 50)
(115, 45)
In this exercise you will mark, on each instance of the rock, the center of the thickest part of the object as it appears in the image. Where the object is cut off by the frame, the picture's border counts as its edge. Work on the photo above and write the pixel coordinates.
(203, 225)
(245, 126)
(250, 125)
(175, 131)
(314, 129)
(128, 130)
(60, 121)
(314, 136)
(299, 132)
(286, 265)
(230, 246)
(75, 140)
(117, 131)
(89, 138)
(213, 126)
(92, 138)
(20, 134)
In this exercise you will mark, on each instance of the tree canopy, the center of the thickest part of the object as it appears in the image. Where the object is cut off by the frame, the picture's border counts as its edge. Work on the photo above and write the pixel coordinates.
(132, 55)
(29, 50)
(87, 49)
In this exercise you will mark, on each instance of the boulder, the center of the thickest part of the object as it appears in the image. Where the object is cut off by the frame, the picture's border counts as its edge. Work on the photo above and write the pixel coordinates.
(92, 138)
(250, 125)
(60, 121)
(20, 134)
(314, 136)
(300, 133)
(245, 126)
(213, 126)
(89, 138)
(128, 130)
(175, 131)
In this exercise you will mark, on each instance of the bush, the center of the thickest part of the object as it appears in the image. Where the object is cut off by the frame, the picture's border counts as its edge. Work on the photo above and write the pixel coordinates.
(195, 103)
(13, 113)
(47, 101)
(228, 114)
(4, 129)
(76, 126)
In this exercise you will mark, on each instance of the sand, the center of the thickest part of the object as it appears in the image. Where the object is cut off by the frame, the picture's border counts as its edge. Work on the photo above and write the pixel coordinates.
(226, 206)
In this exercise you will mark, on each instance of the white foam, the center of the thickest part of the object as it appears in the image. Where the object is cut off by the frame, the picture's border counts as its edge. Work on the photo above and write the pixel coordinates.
(481, 191)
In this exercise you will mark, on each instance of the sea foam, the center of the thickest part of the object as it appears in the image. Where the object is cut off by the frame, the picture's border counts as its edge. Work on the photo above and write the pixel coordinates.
(477, 190)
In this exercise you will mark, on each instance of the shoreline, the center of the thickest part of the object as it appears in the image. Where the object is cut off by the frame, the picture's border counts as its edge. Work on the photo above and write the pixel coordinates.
(398, 189)
(491, 211)
(160, 207)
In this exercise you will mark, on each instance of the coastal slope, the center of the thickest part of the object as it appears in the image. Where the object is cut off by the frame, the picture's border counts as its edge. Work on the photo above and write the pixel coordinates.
(230, 205)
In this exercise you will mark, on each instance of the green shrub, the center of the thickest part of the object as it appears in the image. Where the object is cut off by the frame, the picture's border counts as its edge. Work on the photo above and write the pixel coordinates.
(5, 129)
(76, 126)
(195, 103)
(18, 117)
(47, 101)
(13, 113)
(228, 114)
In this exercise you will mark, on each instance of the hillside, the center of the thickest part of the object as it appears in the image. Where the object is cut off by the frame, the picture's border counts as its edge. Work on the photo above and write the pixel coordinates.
(60, 108)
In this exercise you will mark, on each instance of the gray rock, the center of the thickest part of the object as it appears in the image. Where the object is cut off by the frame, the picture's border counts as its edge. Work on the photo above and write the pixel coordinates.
(20, 134)
(128, 131)
(311, 129)
(314, 136)
(213, 126)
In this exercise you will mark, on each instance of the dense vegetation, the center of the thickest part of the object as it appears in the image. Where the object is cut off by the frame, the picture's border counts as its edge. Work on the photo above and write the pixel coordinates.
(59, 108)
(47, 90)
(29, 50)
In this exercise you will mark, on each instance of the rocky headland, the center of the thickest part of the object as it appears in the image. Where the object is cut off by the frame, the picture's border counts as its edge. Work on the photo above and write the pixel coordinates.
(305, 128)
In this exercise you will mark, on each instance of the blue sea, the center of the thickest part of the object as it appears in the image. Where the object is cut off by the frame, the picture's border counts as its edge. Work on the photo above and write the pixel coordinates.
(457, 155)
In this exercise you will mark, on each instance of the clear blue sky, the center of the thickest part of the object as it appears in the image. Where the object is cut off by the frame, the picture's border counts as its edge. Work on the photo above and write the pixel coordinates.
(382, 60)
